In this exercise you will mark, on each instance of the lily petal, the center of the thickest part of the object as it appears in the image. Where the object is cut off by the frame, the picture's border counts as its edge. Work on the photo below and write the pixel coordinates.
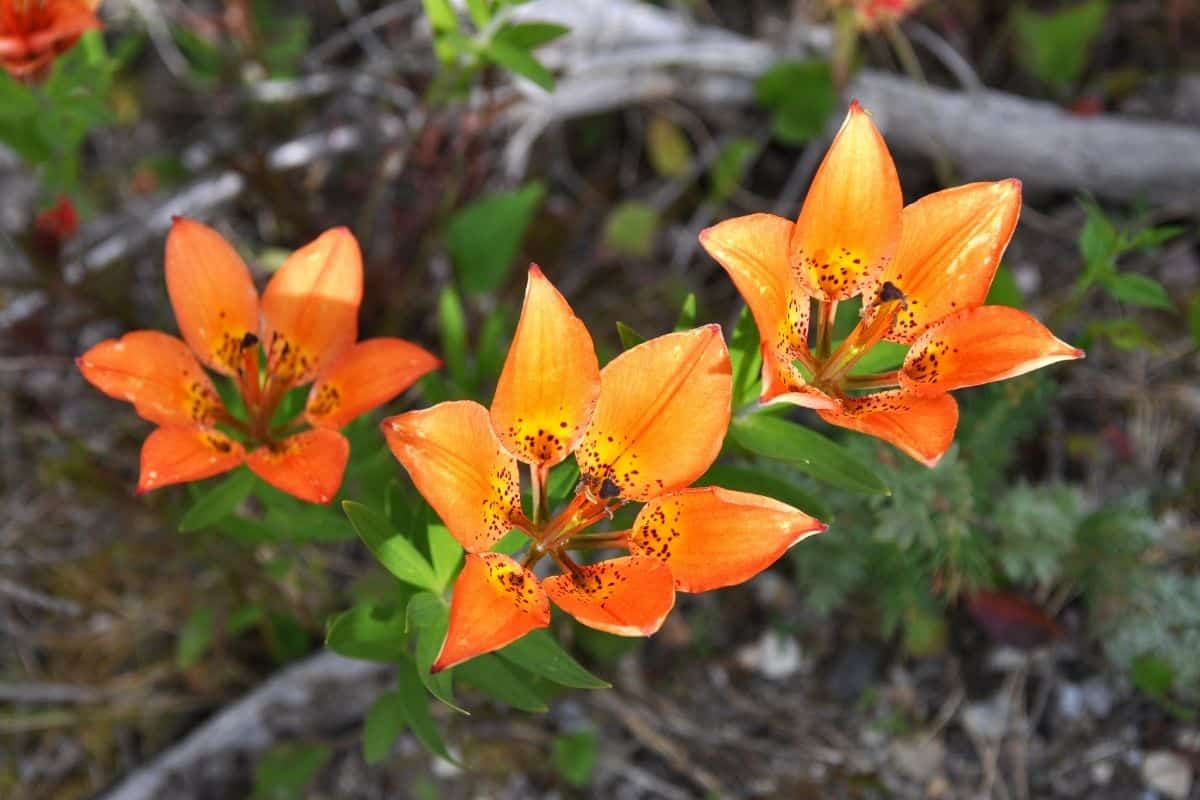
(980, 345)
(310, 307)
(712, 537)
(849, 226)
(663, 411)
(754, 250)
(551, 378)
(951, 244)
(179, 454)
(212, 293)
(459, 466)
(922, 427)
(628, 596)
(366, 376)
(306, 465)
(155, 372)
(496, 601)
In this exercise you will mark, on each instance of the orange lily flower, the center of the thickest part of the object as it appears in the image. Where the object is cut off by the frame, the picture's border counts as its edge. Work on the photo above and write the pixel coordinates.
(307, 323)
(923, 273)
(35, 32)
(872, 13)
(641, 429)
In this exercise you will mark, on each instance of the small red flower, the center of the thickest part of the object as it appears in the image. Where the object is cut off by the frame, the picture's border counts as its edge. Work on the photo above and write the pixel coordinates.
(58, 223)
(307, 324)
(35, 32)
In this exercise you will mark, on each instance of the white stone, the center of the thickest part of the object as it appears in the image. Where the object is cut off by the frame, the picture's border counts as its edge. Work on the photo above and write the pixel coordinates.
(1168, 774)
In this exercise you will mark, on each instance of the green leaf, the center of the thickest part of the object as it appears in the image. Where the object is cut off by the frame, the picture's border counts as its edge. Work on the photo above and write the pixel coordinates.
(1005, 291)
(800, 96)
(287, 637)
(414, 703)
(480, 11)
(747, 479)
(513, 541)
(1055, 47)
(394, 552)
(452, 325)
(521, 62)
(496, 678)
(880, 358)
(539, 653)
(219, 502)
(628, 336)
(1139, 290)
(687, 313)
(383, 725)
(574, 756)
(1151, 674)
(483, 237)
(1099, 241)
(441, 15)
(446, 554)
(811, 452)
(243, 619)
(194, 638)
(429, 617)
(530, 35)
(285, 771)
(730, 168)
(669, 150)
(745, 359)
(630, 229)
(369, 632)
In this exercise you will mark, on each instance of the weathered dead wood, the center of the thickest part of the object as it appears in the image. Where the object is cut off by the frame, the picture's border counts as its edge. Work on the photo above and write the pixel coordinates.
(321, 693)
(622, 53)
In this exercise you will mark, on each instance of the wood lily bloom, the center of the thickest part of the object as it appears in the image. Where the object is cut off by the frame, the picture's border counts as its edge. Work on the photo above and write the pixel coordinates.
(870, 14)
(923, 273)
(641, 429)
(306, 323)
(35, 32)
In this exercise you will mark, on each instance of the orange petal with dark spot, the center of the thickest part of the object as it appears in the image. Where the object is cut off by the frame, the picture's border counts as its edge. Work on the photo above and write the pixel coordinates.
(663, 411)
(212, 293)
(980, 345)
(628, 596)
(849, 226)
(307, 465)
(310, 307)
(496, 601)
(950, 246)
(754, 250)
(155, 372)
(459, 466)
(712, 537)
(551, 378)
(922, 427)
(180, 454)
(366, 376)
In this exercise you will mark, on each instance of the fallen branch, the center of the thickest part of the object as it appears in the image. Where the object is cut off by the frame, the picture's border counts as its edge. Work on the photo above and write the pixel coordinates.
(323, 692)
(622, 53)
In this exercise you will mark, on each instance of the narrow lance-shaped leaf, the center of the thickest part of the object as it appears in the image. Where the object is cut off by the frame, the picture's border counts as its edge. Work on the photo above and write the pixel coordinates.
(394, 552)
(219, 502)
(538, 652)
(495, 677)
(811, 452)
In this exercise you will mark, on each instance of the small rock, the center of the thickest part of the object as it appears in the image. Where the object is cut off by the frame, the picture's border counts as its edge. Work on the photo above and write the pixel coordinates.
(986, 720)
(1168, 774)
(1097, 696)
(918, 758)
(1070, 701)
(774, 656)
(1102, 773)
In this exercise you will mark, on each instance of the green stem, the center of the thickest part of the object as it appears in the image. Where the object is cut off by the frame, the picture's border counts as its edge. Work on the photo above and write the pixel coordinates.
(826, 315)
(876, 380)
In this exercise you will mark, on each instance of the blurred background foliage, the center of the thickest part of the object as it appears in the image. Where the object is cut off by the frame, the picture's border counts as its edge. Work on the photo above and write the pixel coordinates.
(1062, 527)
